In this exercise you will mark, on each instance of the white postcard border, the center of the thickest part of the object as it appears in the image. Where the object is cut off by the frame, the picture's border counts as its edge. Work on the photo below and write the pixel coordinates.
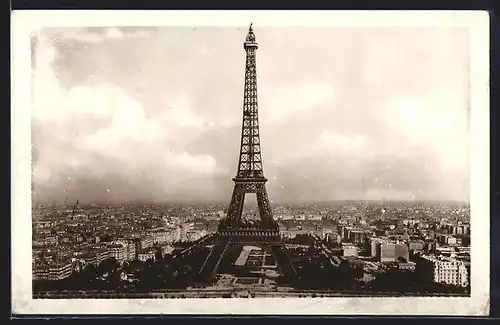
(24, 23)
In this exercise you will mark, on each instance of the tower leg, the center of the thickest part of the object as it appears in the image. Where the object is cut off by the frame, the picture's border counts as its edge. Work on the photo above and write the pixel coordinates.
(265, 211)
(236, 206)
(209, 268)
(285, 264)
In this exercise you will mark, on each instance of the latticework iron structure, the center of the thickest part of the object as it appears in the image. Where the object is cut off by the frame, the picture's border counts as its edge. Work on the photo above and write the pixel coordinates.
(233, 229)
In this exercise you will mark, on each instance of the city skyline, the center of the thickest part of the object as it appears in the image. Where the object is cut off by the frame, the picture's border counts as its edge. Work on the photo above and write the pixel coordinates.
(122, 114)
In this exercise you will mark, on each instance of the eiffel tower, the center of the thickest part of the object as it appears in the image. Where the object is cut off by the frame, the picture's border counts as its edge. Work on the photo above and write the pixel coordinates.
(233, 229)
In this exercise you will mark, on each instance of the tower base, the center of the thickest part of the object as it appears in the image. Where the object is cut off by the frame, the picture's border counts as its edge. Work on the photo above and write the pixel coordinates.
(264, 239)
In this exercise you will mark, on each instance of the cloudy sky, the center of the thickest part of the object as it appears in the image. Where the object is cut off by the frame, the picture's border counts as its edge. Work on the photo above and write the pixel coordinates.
(154, 114)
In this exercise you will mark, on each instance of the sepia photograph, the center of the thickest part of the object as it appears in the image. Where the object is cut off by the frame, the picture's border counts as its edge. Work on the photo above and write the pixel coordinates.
(166, 161)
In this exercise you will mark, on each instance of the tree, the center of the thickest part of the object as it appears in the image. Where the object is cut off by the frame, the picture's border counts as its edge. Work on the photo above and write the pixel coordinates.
(109, 265)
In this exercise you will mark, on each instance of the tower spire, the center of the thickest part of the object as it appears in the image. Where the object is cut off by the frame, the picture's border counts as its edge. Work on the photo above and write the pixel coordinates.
(250, 40)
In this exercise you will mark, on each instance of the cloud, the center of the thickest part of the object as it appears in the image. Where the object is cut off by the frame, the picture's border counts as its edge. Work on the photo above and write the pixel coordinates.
(297, 100)
(329, 140)
(99, 132)
(422, 119)
(98, 35)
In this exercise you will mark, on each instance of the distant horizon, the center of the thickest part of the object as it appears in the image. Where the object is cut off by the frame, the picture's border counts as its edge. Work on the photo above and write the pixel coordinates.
(73, 202)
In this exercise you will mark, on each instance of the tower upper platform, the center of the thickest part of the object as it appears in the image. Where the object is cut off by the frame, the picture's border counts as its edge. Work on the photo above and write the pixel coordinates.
(250, 41)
